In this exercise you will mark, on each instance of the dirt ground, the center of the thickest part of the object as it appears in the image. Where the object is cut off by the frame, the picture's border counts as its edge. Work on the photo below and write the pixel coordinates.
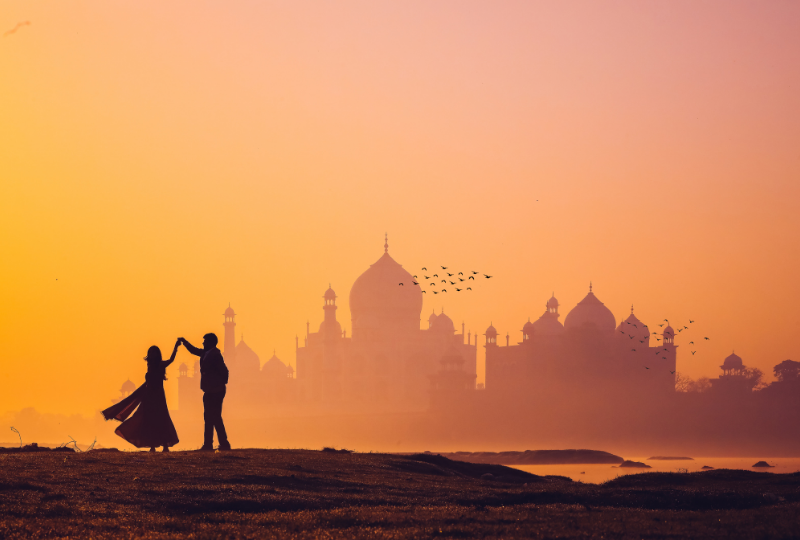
(314, 494)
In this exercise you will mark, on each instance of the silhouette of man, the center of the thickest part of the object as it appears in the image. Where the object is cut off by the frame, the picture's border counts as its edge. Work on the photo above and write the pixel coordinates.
(213, 378)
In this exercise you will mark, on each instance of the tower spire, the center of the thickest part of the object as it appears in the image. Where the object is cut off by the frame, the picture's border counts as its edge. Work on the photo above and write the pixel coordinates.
(631, 309)
(386, 243)
(590, 286)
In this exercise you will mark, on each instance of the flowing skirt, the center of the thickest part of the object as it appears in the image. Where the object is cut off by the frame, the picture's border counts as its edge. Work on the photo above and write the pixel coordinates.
(151, 424)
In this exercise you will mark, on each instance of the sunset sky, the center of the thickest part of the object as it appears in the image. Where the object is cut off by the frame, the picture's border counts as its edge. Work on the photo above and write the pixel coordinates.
(161, 159)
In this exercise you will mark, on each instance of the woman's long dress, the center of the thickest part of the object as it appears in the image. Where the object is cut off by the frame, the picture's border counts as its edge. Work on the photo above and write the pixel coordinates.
(151, 424)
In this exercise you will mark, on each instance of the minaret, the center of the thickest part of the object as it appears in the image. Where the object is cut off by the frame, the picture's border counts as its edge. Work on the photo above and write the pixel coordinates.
(229, 347)
(491, 336)
(330, 306)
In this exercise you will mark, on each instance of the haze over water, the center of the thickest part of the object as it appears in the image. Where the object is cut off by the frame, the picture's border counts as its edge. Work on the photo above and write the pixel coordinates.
(596, 474)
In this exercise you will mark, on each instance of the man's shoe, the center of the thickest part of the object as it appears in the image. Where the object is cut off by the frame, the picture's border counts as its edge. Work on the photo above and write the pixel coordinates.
(225, 447)
(206, 448)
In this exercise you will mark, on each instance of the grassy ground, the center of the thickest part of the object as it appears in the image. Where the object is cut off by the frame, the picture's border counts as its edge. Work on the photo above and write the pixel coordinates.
(311, 494)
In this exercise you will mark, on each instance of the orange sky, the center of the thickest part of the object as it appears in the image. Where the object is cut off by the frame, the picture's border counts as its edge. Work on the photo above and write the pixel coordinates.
(162, 159)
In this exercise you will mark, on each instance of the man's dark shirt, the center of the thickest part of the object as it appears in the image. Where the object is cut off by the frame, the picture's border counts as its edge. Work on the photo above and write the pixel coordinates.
(213, 371)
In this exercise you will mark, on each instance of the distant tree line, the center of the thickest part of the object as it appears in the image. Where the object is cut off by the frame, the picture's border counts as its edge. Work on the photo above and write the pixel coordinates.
(787, 372)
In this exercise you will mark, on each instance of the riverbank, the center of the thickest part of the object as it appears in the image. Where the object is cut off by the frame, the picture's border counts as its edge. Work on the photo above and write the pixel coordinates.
(310, 494)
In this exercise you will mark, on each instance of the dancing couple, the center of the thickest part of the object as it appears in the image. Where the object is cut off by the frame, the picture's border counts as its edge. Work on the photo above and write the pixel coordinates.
(151, 426)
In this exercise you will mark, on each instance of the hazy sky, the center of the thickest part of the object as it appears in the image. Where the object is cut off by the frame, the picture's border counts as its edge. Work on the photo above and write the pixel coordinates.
(158, 160)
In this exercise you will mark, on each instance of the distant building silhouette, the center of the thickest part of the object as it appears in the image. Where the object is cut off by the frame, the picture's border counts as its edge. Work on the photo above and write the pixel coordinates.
(252, 388)
(588, 353)
(388, 361)
(127, 389)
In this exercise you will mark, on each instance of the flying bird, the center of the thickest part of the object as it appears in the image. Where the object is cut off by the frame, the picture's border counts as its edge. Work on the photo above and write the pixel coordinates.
(424, 291)
(691, 343)
(660, 325)
(690, 322)
(634, 350)
(444, 268)
(434, 292)
(694, 352)
(471, 277)
(474, 272)
(706, 339)
(444, 290)
(449, 274)
(461, 273)
(413, 276)
(469, 288)
(458, 289)
(427, 277)
(444, 281)
(423, 268)
(460, 279)
(487, 277)
(415, 283)
(452, 283)
(401, 284)
(672, 372)
(435, 275)
(645, 367)
(664, 357)
(433, 284)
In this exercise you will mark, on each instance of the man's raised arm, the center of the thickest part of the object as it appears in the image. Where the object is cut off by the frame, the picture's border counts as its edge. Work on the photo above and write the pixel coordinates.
(191, 348)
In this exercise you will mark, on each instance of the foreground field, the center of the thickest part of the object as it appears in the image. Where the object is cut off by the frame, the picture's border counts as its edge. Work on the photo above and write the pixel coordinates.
(311, 494)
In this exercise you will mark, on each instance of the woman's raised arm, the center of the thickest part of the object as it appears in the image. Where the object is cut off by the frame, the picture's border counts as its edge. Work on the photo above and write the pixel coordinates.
(174, 354)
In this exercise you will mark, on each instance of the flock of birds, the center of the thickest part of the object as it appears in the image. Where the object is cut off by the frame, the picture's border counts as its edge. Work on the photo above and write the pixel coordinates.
(680, 328)
(454, 279)
(461, 279)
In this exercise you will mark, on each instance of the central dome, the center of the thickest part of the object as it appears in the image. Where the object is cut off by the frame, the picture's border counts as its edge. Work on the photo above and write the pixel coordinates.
(591, 312)
(378, 300)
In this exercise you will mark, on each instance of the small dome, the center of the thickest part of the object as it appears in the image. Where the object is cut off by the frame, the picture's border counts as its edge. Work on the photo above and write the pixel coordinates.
(443, 323)
(274, 367)
(491, 332)
(668, 332)
(632, 326)
(548, 325)
(732, 362)
(289, 369)
(329, 294)
(183, 367)
(330, 328)
(246, 358)
(128, 386)
(528, 327)
(552, 303)
(591, 312)
(229, 312)
(432, 318)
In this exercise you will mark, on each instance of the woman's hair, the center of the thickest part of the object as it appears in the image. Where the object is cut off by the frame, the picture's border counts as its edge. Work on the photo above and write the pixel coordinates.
(154, 359)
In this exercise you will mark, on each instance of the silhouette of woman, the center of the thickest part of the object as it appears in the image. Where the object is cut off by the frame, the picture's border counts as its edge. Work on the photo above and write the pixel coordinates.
(150, 425)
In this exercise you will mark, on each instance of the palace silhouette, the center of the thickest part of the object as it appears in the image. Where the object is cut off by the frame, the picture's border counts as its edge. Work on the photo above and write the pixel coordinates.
(586, 368)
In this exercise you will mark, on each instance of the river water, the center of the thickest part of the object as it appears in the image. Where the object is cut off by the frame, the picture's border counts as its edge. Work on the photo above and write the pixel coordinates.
(596, 474)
